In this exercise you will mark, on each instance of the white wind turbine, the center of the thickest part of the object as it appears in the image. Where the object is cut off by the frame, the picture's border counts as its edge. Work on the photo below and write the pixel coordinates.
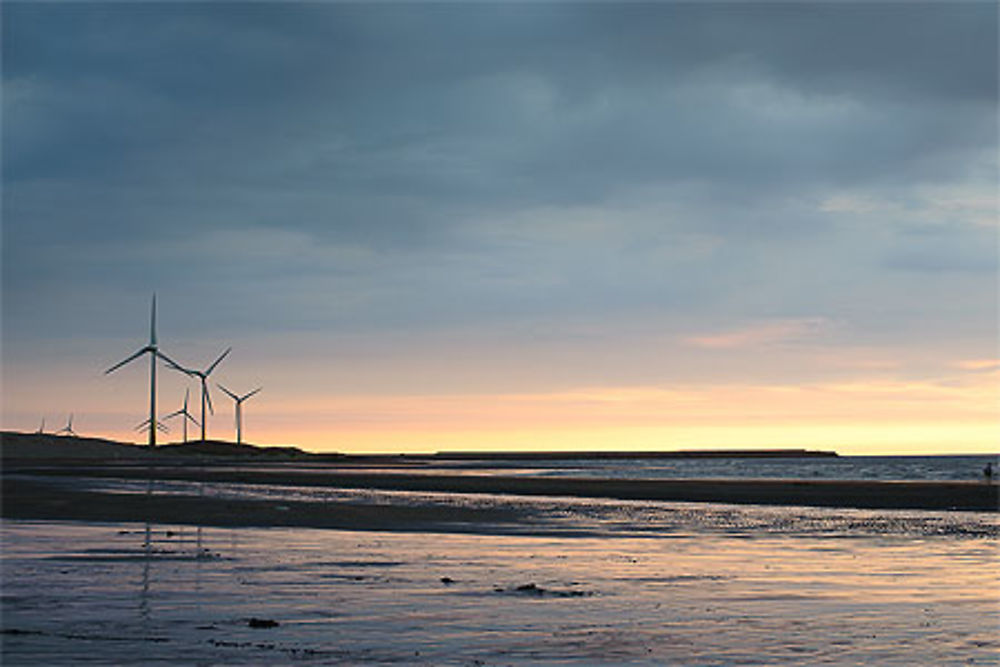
(68, 428)
(238, 400)
(184, 414)
(153, 352)
(206, 398)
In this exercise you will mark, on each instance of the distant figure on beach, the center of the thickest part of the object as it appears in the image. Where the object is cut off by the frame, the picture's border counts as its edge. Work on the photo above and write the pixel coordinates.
(988, 471)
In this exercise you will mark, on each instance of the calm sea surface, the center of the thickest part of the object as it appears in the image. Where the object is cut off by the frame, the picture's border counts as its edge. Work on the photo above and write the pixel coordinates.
(968, 467)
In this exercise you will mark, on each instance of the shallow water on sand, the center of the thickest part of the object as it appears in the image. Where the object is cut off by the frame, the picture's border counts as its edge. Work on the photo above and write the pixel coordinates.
(76, 593)
(592, 516)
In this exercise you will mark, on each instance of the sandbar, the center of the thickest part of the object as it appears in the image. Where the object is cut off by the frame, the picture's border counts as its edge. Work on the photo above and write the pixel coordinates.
(45, 492)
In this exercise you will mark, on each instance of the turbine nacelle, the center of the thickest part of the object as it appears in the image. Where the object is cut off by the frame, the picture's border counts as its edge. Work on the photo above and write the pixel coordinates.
(239, 399)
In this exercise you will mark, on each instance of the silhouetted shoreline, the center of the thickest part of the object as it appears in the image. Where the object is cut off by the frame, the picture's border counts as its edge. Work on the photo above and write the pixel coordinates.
(17, 445)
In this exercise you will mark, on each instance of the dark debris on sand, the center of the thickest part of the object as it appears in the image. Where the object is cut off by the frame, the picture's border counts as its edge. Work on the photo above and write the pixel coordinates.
(534, 590)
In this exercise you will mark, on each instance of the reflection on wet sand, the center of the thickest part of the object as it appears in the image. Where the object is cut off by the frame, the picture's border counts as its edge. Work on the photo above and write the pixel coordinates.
(791, 596)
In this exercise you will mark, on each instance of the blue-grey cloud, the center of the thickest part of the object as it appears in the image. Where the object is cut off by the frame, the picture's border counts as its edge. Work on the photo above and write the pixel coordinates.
(377, 167)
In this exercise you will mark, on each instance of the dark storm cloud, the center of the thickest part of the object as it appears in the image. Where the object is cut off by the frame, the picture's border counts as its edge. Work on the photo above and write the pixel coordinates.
(890, 48)
(361, 88)
(224, 147)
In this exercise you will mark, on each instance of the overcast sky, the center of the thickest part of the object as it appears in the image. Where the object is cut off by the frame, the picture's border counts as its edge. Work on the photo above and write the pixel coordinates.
(387, 204)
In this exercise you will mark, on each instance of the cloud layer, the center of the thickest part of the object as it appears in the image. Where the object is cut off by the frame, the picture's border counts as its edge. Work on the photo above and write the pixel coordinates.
(624, 180)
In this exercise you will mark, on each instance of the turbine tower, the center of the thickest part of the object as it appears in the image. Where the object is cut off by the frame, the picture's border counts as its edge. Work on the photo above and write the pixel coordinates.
(153, 352)
(206, 399)
(41, 429)
(238, 400)
(68, 428)
(183, 412)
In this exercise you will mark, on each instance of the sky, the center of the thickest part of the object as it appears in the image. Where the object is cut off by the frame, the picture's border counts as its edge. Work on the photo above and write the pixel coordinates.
(521, 226)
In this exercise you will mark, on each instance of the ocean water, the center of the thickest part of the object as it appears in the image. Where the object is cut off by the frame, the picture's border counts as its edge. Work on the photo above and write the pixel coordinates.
(897, 468)
(572, 582)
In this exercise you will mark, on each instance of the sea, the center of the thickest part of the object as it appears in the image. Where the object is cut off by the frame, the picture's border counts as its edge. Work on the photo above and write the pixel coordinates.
(885, 468)
(573, 581)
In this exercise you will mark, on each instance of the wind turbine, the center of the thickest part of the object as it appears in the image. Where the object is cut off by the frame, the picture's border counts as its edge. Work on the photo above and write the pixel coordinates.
(153, 352)
(68, 428)
(183, 412)
(160, 426)
(203, 376)
(41, 429)
(238, 400)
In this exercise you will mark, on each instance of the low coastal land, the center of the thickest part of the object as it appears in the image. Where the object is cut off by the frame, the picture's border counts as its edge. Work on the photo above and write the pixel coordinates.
(39, 487)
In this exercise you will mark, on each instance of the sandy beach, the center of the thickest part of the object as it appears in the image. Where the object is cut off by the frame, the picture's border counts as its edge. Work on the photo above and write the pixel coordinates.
(38, 498)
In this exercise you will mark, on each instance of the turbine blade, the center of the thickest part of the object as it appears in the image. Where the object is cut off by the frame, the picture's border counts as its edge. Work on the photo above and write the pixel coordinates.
(122, 363)
(152, 324)
(173, 364)
(191, 417)
(218, 361)
(229, 393)
(173, 414)
(162, 428)
(246, 396)
(208, 396)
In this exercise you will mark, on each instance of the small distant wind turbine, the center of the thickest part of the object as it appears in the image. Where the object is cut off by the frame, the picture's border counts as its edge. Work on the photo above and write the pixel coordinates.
(160, 426)
(183, 412)
(238, 400)
(41, 429)
(68, 428)
(206, 399)
(154, 352)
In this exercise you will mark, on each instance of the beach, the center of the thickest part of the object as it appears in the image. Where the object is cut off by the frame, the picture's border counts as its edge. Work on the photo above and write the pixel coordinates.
(240, 563)
(36, 494)
(80, 591)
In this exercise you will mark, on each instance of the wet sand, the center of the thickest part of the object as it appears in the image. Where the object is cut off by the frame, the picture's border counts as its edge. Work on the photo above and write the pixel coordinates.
(40, 499)
(80, 592)
(47, 493)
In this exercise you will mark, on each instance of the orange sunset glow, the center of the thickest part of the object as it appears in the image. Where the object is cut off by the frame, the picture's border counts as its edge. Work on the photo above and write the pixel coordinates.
(858, 418)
